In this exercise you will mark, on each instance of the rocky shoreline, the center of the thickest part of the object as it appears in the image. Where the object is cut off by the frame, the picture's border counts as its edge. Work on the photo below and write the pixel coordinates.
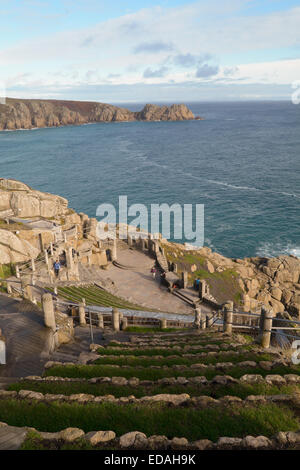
(30, 114)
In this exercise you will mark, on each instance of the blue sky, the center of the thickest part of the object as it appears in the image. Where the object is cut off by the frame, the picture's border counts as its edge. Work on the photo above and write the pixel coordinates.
(150, 50)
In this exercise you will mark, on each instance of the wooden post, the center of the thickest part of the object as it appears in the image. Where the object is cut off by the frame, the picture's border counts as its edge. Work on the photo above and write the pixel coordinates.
(266, 325)
(81, 310)
(228, 317)
(115, 319)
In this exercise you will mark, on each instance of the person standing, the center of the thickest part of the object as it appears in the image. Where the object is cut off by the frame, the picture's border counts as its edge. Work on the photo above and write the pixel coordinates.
(56, 267)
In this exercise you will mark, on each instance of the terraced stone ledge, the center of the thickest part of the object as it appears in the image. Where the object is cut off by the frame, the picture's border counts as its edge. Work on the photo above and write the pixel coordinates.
(266, 365)
(182, 399)
(270, 379)
(138, 440)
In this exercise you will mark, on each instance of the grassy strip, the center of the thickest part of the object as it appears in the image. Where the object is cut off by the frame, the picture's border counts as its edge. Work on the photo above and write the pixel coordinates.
(180, 342)
(166, 361)
(155, 419)
(34, 441)
(97, 297)
(217, 391)
(144, 329)
(90, 371)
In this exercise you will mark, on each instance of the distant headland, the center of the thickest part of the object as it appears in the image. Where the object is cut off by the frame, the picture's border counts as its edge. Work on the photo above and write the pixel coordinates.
(29, 114)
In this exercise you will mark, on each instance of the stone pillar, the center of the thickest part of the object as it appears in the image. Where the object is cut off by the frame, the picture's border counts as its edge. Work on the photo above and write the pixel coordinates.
(83, 301)
(55, 290)
(114, 250)
(203, 322)
(266, 325)
(175, 268)
(48, 309)
(46, 257)
(209, 321)
(184, 279)
(32, 280)
(129, 240)
(51, 249)
(32, 265)
(228, 317)
(100, 321)
(41, 241)
(203, 289)
(163, 323)
(69, 258)
(124, 323)
(115, 319)
(81, 310)
(28, 292)
(65, 237)
(8, 288)
(246, 303)
(17, 272)
(197, 320)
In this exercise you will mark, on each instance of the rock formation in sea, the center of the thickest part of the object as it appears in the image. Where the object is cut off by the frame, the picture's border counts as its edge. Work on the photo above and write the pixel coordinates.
(28, 114)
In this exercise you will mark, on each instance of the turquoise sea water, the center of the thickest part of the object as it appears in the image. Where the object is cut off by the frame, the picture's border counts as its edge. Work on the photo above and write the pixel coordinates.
(242, 162)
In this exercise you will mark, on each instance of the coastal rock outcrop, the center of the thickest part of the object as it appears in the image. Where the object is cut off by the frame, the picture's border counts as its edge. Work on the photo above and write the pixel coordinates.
(19, 200)
(28, 114)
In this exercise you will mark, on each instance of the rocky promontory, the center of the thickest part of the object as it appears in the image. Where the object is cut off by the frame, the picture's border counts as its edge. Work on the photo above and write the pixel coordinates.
(28, 114)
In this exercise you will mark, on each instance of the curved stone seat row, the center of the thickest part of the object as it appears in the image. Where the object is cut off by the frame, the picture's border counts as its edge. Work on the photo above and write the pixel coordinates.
(138, 440)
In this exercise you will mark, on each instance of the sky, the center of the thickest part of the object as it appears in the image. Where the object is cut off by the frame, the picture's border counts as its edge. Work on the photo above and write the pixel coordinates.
(140, 51)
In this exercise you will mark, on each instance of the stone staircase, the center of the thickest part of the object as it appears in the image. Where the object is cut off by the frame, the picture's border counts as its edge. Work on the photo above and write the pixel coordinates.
(247, 397)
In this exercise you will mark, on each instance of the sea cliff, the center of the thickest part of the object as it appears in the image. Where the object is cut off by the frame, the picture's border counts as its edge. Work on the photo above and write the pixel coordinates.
(28, 114)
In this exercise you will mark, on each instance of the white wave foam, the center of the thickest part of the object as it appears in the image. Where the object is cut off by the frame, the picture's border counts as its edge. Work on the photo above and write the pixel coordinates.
(273, 250)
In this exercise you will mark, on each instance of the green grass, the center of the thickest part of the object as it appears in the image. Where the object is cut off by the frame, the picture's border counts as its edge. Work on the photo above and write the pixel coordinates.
(166, 361)
(155, 419)
(6, 270)
(34, 441)
(215, 391)
(96, 296)
(144, 329)
(180, 342)
(90, 371)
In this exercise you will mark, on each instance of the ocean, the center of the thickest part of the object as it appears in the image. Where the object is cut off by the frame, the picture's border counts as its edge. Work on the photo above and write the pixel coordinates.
(241, 162)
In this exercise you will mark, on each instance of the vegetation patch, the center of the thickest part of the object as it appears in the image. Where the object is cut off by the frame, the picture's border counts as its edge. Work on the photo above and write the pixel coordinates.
(215, 391)
(156, 419)
(95, 296)
(7, 270)
(90, 371)
(166, 361)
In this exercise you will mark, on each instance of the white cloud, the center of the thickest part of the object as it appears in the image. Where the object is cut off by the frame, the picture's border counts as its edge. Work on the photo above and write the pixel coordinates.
(158, 46)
